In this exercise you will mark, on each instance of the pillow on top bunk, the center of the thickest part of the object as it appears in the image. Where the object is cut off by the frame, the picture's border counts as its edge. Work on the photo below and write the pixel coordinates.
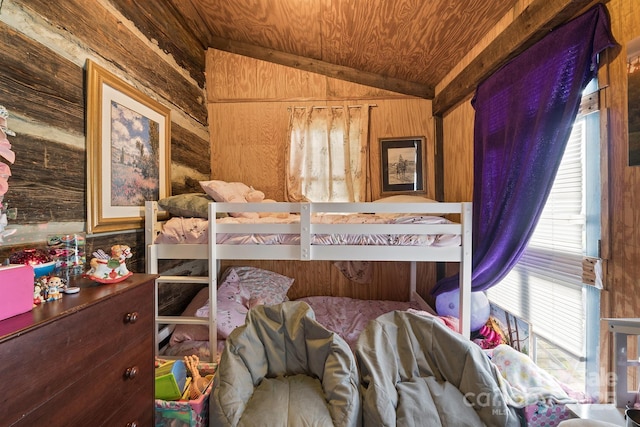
(233, 192)
(405, 198)
(187, 205)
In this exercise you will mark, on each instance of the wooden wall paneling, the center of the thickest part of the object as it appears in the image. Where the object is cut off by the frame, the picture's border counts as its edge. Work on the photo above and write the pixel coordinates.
(458, 153)
(102, 32)
(426, 280)
(160, 21)
(48, 181)
(620, 203)
(341, 89)
(39, 84)
(248, 143)
(229, 76)
(190, 159)
(278, 82)
(624, 179)
(236, 77)
(400, 118)
(310, 277)
(457, 160)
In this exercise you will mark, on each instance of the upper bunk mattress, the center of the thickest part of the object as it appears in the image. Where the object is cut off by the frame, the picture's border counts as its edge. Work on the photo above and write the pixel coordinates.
(195, 230)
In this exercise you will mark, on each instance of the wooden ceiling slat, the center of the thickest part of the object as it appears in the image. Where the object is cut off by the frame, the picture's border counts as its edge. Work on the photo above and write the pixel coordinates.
(325, 68)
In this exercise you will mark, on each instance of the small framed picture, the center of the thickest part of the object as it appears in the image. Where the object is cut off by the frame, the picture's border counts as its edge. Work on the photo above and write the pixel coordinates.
(402, 164)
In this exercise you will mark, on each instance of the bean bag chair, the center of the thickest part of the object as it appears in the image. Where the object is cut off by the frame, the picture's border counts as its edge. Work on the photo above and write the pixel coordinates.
(415, 371)
(282, 368)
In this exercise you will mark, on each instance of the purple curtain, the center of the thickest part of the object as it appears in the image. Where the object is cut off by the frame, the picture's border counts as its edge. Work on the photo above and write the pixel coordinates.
(524, 114)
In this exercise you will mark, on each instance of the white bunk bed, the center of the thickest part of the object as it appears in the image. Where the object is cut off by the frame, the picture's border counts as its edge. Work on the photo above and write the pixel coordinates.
(307, 241)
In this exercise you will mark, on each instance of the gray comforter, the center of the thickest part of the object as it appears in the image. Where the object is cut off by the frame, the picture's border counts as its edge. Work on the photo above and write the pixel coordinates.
(416, 372)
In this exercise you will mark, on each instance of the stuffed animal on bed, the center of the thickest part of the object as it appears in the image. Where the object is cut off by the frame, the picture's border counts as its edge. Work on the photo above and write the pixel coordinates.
(233, 303)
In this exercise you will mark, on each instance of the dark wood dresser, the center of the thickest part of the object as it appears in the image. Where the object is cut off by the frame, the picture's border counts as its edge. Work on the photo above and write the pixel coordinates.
(84, 360)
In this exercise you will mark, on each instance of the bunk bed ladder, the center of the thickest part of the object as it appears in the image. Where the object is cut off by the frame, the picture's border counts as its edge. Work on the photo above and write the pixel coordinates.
(161, 322)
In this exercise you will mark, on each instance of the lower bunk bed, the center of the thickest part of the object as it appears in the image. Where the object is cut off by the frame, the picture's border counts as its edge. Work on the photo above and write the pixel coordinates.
(242, 287)
(541, 399)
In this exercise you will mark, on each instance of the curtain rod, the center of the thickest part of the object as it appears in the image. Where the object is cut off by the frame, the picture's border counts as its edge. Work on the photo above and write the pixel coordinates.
(334, 106)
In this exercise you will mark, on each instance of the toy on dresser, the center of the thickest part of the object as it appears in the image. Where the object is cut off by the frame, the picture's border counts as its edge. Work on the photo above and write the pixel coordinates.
(110, 268)
(48, 288)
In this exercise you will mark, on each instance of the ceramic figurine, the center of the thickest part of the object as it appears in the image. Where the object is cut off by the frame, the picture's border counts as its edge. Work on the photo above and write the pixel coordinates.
(110, 268)
(54, 288)
(48, 288)
(37, 293)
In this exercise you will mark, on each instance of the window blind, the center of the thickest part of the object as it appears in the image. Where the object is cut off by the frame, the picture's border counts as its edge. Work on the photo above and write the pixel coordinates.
(545, 287)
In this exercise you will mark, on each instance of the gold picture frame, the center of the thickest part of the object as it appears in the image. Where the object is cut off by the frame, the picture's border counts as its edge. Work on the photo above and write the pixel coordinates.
(128, 152)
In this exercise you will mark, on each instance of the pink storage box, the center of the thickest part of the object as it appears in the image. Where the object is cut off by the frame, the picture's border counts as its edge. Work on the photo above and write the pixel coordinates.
(16, 290)
(186, 413)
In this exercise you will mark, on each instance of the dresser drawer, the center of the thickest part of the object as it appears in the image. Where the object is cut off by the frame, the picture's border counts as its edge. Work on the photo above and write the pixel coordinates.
(43, 364)
(108, 395)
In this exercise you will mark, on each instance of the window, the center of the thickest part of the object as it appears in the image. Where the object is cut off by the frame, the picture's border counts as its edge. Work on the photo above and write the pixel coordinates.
(327, 156)
(545, 288)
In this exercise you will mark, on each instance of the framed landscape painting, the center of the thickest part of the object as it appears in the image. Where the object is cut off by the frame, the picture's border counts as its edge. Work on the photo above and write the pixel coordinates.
(128, 152)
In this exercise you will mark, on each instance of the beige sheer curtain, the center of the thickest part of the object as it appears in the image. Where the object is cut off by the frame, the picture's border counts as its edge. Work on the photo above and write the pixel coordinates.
(327, 156)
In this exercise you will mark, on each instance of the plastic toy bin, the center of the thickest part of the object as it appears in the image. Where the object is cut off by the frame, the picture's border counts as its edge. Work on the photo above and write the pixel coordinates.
(186, 413)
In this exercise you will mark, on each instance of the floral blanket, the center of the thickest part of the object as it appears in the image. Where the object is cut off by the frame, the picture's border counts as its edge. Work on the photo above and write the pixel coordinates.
(525, 383)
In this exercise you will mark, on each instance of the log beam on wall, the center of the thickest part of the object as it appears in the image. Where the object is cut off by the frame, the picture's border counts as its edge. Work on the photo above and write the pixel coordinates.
(101, 31)
(536, 21)
(324, 68)
(161, 21)
(37, 80)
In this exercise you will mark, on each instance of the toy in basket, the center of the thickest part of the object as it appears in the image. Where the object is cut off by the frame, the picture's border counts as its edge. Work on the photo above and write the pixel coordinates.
(110, 268)
(188, 412)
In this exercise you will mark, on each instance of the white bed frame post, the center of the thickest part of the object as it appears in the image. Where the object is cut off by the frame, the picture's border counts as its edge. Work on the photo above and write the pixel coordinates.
(466, 218)
(213, 268)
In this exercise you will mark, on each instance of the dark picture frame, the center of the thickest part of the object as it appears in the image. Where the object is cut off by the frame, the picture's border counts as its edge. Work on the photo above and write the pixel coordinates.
(128, 152)
(402, 165)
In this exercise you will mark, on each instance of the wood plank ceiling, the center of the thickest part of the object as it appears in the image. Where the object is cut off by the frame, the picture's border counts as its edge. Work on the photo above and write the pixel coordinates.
(412, 41)
(407, 46)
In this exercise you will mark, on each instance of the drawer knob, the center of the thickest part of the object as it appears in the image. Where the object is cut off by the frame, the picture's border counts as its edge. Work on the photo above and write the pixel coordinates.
(131, 317)
(132, 424)
(131, 372)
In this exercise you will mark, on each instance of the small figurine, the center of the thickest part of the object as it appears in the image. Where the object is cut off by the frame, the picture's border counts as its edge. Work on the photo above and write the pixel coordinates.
(37, 293)
(110, 268)
(48, 288)
(54, 288)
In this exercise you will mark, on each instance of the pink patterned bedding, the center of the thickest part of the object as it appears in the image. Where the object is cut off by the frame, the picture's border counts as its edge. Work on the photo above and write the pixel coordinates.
(345, 316)
(195, 230)
(348, 316)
